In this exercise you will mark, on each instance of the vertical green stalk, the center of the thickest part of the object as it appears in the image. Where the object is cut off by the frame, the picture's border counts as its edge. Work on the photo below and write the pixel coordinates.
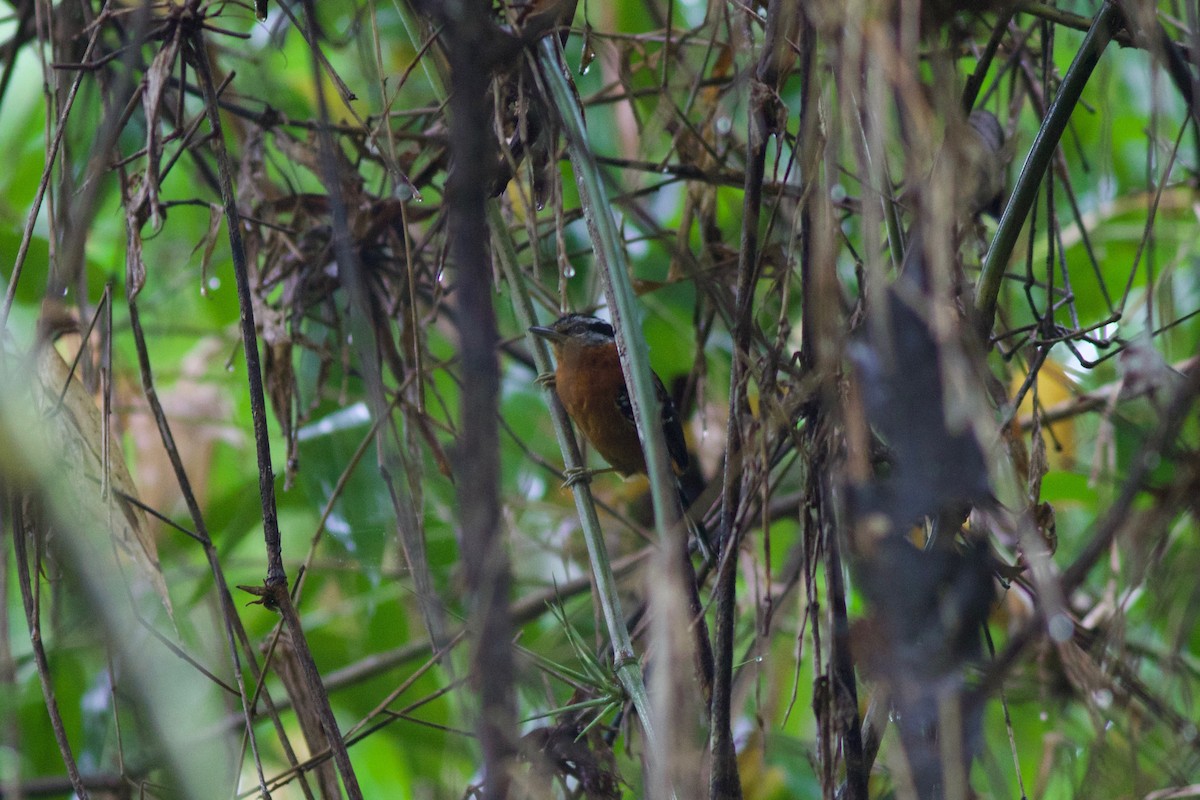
(625, 661)
(1040, 154)
(623, 306)
(626, 314)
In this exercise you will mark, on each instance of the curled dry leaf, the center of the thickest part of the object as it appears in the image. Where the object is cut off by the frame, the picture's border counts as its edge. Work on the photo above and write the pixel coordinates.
(93, 487)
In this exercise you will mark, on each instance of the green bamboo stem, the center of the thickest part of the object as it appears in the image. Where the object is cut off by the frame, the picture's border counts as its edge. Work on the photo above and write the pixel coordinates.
(1040, 154)
(623, 306)
(625, 662)
(626, 314)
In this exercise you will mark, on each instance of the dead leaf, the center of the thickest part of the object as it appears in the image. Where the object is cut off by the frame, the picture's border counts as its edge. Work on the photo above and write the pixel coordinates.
(199, 411)
(94, 486)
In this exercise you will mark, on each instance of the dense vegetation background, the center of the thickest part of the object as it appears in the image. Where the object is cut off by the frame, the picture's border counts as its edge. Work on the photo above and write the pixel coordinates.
(938, 369)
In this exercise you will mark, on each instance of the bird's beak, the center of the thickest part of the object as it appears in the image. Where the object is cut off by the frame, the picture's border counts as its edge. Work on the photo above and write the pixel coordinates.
(548, 333)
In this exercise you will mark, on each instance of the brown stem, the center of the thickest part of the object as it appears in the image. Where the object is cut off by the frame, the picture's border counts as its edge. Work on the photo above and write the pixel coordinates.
(781, 17)
(235, 633)
(33, 619)
(276, 581)
(258, 408)
(477, 460)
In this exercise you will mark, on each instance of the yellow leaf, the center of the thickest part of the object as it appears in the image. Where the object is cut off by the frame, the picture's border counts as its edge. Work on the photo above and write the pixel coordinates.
(760, 780)
(1054, 387)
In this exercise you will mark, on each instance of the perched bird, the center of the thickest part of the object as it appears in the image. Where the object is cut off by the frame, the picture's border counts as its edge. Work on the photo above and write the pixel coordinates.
(591, 386)
(986, 154)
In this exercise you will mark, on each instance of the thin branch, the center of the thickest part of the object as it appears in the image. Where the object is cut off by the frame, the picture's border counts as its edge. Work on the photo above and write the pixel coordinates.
(477, 456)
(1040, 155)
(21, 531)
(276, 580)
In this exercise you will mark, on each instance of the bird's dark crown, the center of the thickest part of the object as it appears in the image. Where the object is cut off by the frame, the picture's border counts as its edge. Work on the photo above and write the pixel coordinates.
(589, 329)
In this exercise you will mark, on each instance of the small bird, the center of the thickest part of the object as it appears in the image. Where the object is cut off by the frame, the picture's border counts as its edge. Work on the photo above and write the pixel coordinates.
(591, 386)
(987, 154)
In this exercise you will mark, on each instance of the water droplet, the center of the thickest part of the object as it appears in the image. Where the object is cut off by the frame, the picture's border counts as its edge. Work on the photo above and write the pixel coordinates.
(724, 125)
(588, 53)
(1060, 627)
(569, 271)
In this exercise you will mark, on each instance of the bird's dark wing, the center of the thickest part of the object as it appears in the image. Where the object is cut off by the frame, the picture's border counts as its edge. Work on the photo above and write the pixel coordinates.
(672, 428)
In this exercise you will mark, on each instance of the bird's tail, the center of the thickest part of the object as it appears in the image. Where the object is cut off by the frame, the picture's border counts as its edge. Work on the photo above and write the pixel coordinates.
(689, 491)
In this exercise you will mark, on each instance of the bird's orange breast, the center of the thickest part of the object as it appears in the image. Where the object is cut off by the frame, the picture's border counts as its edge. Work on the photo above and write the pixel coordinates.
(588, 381)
